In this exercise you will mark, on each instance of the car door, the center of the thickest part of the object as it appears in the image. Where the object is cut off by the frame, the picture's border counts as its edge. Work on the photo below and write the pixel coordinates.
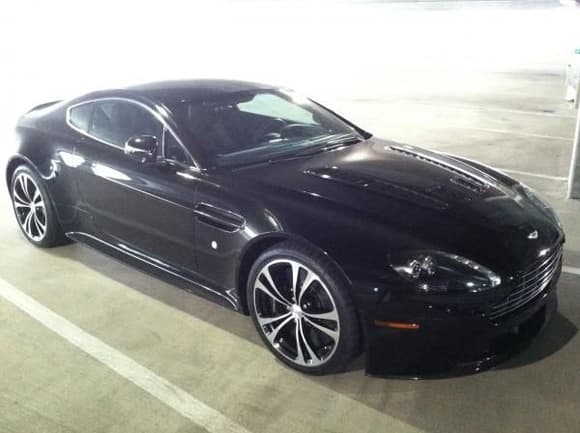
(146, 209)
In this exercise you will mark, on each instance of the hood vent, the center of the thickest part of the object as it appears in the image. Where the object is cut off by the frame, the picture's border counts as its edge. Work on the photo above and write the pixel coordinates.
(466, 179)
(378, 186)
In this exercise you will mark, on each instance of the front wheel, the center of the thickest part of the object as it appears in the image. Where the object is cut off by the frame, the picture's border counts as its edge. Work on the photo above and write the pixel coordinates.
(302, 308)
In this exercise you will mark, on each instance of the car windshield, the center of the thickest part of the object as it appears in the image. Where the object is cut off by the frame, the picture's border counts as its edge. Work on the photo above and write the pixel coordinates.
(260, 125)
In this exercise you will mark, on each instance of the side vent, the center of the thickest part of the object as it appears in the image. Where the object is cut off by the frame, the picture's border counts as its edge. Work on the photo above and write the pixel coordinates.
(220, 218)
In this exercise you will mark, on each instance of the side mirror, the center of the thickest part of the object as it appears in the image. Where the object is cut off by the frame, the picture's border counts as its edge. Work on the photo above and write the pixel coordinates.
(142, 148)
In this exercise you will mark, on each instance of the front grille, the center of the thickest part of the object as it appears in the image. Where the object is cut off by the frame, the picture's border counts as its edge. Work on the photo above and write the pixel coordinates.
(529, 284)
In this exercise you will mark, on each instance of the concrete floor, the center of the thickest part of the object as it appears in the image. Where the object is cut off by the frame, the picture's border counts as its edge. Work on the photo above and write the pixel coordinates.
(513, 118)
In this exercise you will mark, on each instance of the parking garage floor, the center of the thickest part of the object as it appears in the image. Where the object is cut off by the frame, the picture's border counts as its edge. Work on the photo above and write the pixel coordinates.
(203, 368)
(47, 384)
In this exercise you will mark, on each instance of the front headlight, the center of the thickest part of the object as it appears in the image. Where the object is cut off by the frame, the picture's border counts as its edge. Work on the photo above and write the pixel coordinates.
(439, 272)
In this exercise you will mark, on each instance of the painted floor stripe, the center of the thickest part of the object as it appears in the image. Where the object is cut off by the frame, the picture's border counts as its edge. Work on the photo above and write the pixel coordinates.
(522, 134)
(473, 107)
(176, 398)
(527, 173)
(462, 107)
(571, 270)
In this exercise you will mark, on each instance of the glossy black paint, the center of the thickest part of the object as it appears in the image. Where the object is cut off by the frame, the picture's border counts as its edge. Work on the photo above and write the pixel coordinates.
(455, 342)
(200, 226)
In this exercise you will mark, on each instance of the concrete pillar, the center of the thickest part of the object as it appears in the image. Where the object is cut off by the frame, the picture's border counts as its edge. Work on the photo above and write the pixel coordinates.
(574, 176)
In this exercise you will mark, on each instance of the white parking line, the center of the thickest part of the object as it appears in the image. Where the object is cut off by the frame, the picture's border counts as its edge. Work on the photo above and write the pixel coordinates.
(160, 388)
(571, 270)
(505, 131)
(527, 173)
(470, 107)
(463, 107)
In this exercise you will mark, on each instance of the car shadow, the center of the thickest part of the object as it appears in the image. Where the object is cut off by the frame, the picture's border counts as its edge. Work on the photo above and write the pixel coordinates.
(155, 288)
(551, 340)
(460, 397)
(557, 334)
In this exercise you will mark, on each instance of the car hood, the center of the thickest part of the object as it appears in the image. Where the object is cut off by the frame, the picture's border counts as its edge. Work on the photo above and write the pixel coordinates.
(442, 201)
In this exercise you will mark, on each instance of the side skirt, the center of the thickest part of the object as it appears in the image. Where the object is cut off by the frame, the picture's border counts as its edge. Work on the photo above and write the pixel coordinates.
(157, 268)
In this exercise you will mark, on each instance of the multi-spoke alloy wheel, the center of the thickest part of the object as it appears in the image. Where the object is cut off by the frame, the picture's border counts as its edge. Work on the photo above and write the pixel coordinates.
(30, 206)
(296, 312)
(302, 306)
(34, 210)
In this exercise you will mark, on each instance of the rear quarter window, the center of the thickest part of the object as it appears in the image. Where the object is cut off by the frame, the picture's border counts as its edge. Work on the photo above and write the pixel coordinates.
(80, 116)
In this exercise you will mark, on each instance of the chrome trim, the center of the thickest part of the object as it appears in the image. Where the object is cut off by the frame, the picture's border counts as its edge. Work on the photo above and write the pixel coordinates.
(132, 151)
(377, 185)
(529, 284)
(163, 147)
(150, 261)
(483, 179)
(533, 235)
(140, 104)
(219, 210)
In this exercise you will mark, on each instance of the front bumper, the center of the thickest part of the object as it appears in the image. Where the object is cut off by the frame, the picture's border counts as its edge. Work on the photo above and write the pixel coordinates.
(456, 344)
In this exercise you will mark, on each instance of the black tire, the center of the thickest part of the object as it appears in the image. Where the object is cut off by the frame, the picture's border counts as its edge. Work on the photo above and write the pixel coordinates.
(329, 291)
(52, 234)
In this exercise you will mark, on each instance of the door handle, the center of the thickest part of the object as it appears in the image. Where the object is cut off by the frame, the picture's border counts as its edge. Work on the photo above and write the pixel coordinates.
(222, 219)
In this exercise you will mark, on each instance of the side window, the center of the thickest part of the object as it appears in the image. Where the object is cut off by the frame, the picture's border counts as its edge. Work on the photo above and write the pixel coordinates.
(101, 126)
(267, 104)
(173, 149)
(80, 116)
(116, 121)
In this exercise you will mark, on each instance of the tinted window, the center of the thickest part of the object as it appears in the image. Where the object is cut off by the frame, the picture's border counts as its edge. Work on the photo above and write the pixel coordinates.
(173, 149)
(268, 104)
(250, 126)
(80, 116)
(116, 121)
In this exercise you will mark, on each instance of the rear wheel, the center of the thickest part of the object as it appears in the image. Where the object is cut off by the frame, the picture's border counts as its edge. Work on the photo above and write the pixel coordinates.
(34, 210)
(302, 308)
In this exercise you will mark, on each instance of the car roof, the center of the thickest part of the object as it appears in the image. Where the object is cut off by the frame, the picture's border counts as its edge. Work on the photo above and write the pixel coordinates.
(169, 92)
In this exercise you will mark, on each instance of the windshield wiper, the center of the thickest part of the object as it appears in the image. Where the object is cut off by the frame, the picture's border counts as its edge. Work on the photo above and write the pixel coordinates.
(334, 143)
(345, 138)
(315, 146)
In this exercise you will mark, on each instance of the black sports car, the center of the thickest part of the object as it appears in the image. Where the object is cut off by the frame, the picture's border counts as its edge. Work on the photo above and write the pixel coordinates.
(335, 242)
